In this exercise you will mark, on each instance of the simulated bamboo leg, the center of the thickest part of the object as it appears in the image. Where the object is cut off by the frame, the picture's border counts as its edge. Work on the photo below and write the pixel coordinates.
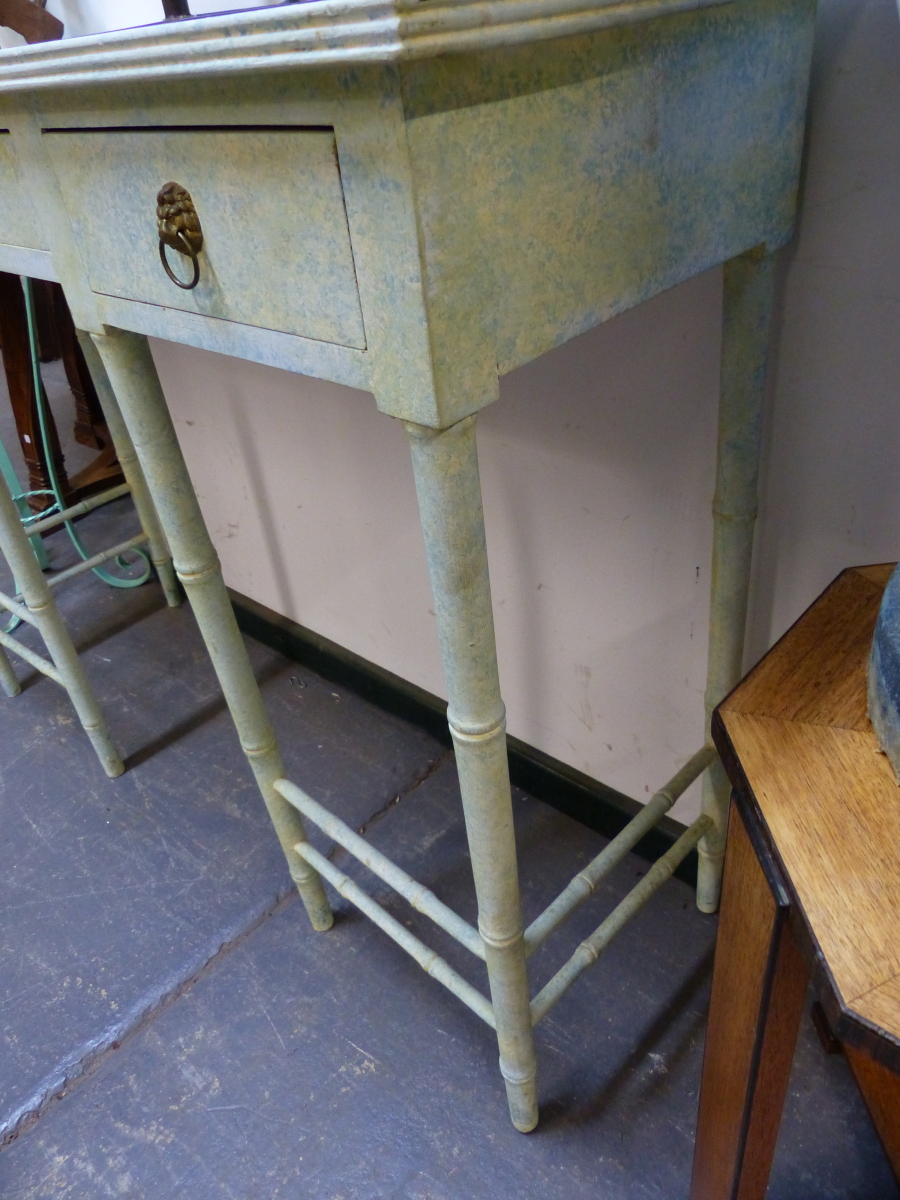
(747, 307)
(131, 469)
(132, 375)
(8, 680)
(44, 615)
(759, 986)
(446, 471)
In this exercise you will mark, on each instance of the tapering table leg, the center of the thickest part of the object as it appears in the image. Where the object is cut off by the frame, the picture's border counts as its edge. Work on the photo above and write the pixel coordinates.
(746, 316)
(880, 1090)
(132, 375)
(45, 616)
(445, 465)
(131, 469)
(759, 985)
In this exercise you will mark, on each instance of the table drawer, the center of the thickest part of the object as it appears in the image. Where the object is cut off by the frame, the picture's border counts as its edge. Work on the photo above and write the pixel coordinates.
(276, 246)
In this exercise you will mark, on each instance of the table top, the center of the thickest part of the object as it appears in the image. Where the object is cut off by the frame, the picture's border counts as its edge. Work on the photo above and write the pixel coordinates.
(325, 32)
(796, 736)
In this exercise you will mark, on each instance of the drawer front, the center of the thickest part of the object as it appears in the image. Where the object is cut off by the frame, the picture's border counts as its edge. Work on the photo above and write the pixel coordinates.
(276, 246)
(18, 225)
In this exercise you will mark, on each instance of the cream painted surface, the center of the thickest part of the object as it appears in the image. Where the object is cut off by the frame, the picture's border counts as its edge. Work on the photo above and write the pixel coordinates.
(597, 462)
(830, 496)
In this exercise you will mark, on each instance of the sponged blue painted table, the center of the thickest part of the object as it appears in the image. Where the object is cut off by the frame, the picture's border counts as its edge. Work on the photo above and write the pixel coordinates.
(413, 198)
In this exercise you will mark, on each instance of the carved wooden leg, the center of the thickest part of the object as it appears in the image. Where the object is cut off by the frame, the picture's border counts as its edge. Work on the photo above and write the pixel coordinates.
(17, 366)
(132, 375)
(747, 308)
(759, 985)
(446, 471)
(44, 615)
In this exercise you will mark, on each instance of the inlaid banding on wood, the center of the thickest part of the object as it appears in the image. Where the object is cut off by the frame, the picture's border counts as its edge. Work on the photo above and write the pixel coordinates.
(799, 728)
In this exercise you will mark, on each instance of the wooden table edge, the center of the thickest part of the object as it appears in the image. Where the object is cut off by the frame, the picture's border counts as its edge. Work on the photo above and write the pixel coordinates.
(848, 1025)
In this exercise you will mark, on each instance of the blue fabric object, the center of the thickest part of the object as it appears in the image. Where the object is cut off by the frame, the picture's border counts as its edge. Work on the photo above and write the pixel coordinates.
(884, 673)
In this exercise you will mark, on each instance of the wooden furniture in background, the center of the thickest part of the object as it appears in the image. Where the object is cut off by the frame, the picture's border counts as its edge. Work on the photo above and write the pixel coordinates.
(811, 889)
(57, 338)
(30, 18)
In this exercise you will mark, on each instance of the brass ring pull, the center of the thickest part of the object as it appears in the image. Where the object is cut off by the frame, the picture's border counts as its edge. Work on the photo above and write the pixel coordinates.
(179, 227)
(168, 270)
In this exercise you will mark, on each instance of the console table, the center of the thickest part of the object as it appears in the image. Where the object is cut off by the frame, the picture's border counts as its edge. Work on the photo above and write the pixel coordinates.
(413, 197)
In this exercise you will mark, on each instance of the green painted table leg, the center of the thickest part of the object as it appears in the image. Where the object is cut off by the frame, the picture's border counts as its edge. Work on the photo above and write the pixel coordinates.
(445, 464)
(132, 375)
(747, 311)
(8, 680)
(45, 615)
(131, 469)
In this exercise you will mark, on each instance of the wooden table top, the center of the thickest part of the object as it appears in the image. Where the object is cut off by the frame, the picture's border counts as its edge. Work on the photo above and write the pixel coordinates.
(797, 731)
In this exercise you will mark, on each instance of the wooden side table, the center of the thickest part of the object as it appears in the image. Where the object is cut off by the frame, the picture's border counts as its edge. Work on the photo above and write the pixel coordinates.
(811, 889)
(414, 197)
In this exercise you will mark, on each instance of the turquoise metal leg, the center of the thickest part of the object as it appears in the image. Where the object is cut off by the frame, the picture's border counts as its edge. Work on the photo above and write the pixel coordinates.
(132, 375)
(445, 465)
(747, 310)
(40, 610)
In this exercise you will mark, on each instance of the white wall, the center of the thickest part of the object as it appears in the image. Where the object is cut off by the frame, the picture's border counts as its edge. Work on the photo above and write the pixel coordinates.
(830, 493)
(597, 462)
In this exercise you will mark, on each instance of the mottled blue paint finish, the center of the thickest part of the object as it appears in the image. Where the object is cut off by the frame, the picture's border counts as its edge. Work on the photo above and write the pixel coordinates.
(501, 175)
(419, 214)
(884, 674)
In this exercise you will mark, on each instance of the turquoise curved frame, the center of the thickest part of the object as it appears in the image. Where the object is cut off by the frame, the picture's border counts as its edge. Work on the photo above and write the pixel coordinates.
(884, 673)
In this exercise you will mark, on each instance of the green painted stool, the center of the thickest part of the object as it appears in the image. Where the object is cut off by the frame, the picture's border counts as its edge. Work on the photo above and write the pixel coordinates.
(414, 197)
(22, 546)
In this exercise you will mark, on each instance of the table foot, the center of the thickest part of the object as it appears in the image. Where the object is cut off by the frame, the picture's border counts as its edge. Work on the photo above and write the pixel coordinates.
(8, 679)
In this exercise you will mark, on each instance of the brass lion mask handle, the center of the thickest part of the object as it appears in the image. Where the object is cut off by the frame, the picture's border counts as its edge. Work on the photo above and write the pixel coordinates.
(179, 228)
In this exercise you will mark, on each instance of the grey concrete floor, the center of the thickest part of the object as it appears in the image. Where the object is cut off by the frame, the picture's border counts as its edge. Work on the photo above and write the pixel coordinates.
(170, 1026)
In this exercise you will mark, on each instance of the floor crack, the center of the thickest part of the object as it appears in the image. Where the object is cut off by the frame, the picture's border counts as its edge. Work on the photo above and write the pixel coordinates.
(416, 782)
(74, 1070)
(88, 1058)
